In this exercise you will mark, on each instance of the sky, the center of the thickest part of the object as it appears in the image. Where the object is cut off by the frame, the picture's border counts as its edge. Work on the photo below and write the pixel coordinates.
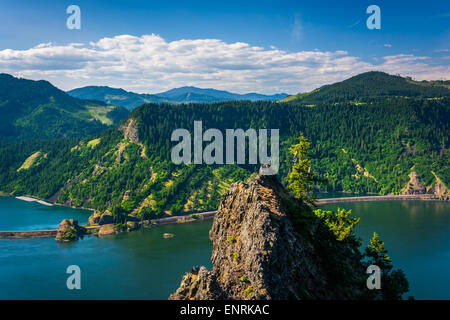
(240, 46)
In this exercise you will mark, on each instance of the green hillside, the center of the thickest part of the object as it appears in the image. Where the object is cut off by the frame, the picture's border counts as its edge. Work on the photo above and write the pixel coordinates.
(118, 97)
(370, 85)
(38, 110)
(358, 148)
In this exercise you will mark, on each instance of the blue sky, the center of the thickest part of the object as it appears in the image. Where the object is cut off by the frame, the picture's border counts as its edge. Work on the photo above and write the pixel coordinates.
(281, 35)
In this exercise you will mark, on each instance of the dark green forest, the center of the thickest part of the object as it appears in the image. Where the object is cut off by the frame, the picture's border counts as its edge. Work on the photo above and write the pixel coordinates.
(366, 147)
(38, 110)
(370, 85)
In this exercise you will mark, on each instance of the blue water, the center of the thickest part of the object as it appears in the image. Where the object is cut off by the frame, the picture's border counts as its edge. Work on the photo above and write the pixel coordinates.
(324, 195)
(144, 265)
(18, 215)
(136, 265)
(417, 235)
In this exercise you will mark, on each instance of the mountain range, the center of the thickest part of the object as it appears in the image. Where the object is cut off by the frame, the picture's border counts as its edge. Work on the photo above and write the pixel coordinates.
(131, 100)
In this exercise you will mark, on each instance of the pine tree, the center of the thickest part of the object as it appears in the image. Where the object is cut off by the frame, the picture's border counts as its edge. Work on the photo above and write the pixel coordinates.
(339, 223)
(393, 282)
(378, 254)
(300, 178)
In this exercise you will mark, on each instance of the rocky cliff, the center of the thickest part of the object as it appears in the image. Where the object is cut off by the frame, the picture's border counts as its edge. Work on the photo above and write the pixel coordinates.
(267, 245)
(415, 186)
(69, 230)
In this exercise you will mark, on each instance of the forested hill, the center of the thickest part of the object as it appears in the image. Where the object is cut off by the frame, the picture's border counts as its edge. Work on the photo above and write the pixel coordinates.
(372, 84)
(194, 94)
(130, 100)
(115, 96)
(38, 110)
(373, 147)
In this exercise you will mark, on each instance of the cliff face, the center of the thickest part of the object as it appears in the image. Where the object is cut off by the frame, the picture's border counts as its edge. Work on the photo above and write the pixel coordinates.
(261, 251)
(69, 230)
(415, 186)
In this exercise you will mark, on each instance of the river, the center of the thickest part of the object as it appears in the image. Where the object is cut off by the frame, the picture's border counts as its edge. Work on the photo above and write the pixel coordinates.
(19, 215)
(144, 265)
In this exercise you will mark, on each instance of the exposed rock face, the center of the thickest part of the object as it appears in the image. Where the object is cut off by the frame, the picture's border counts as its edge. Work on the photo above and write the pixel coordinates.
(107, 223)
(440, 189)
(106, 218)
(130, 131)
(69, 230)
(107, 229)
(414, 186)
(126, 195)
(132, 226)
(94, 219)
(199, 284)
(258, 253)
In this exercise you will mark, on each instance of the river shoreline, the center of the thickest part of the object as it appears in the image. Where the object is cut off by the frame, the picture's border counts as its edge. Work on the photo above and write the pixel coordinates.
(42, 201)
(24, 234)
(430, 197)
(200, 216)
(32, 199)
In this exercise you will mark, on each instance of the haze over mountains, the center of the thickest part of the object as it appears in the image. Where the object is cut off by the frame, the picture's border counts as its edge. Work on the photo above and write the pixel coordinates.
(131, 100)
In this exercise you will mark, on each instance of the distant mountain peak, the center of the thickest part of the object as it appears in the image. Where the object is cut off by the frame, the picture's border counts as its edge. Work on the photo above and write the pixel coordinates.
(185, 94)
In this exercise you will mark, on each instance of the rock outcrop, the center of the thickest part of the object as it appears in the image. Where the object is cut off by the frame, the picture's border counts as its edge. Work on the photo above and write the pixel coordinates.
(262, 249)
(440, 189)
(131, 132)
(106, 218)
(414, 185)
(132, 226)
(94, 218)
(69, 230)
(107, 225)
(107, 229)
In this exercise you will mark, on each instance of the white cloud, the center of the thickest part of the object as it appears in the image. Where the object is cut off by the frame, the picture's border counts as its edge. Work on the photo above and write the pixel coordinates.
(151, 64)
(388, 45)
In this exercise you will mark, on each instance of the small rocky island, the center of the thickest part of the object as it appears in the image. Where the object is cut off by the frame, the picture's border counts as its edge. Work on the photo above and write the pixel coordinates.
(268, 245)
(101, 224)
(69, 230)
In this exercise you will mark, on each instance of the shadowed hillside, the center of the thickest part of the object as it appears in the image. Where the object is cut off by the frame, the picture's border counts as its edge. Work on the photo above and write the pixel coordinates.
(38, 110)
